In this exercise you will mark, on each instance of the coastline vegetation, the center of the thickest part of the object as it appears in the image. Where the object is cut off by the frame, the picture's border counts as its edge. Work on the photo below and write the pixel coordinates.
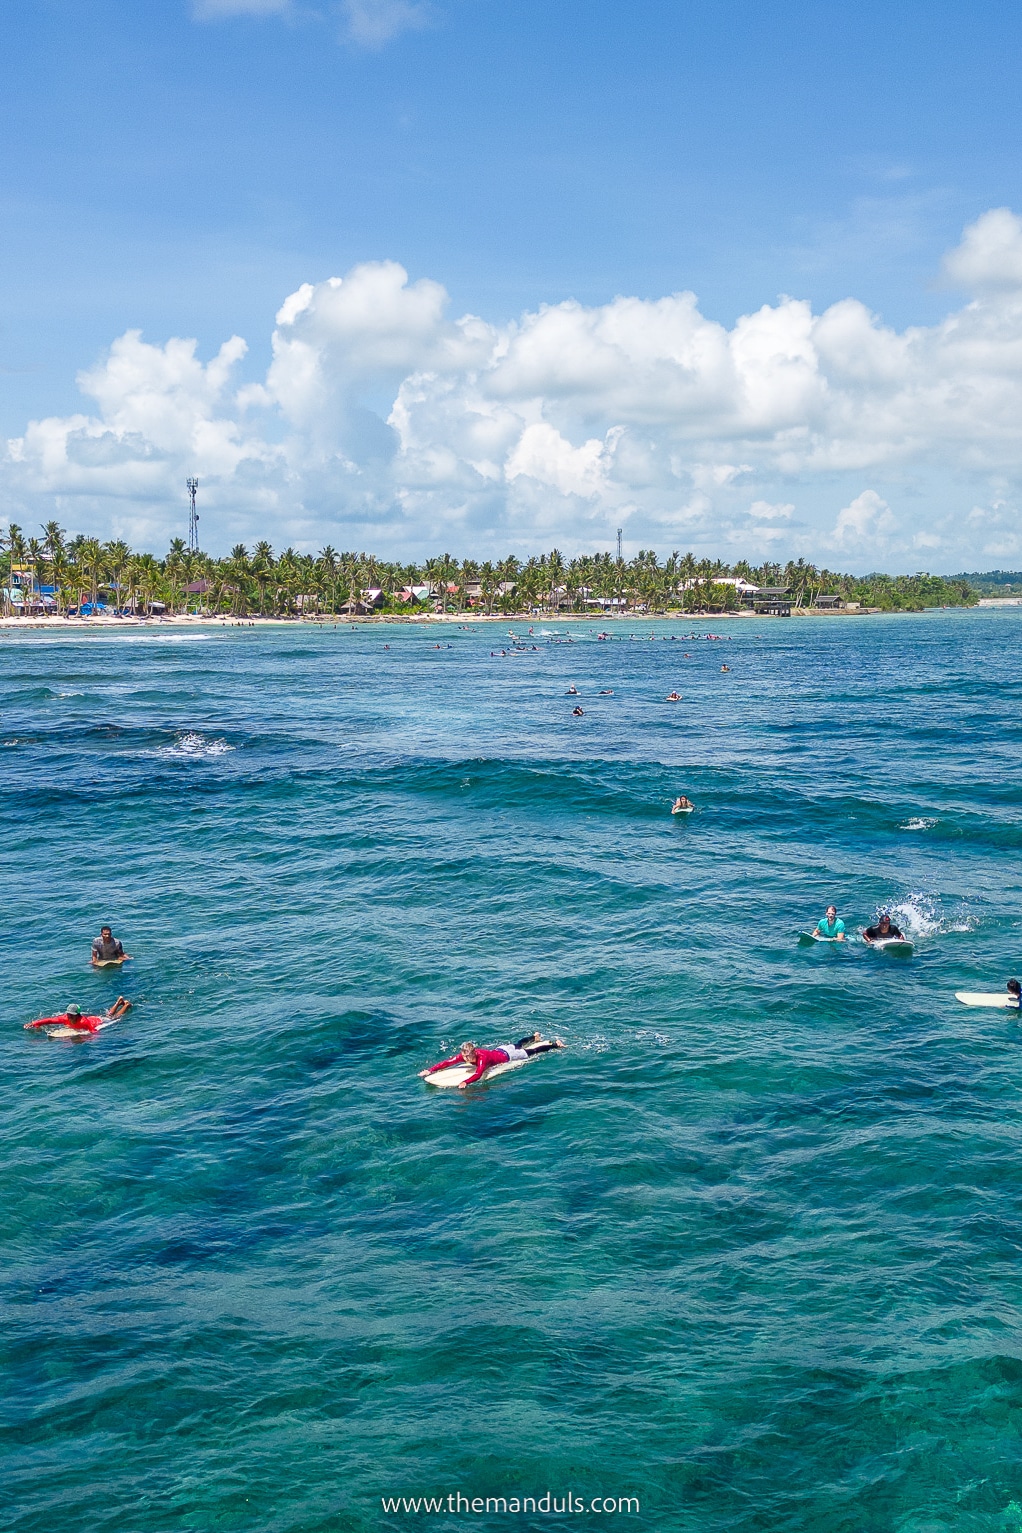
(72, 574)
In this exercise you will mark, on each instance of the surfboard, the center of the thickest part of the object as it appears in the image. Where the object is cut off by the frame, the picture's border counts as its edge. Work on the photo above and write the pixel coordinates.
(806, 939)
(901, 947)
(999, 998)
(689, 810)
(61, 1030)
(455, 1074)
(108, 963)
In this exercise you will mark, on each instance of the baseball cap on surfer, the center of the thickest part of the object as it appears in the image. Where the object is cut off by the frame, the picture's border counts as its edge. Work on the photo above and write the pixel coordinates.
(73, 1011)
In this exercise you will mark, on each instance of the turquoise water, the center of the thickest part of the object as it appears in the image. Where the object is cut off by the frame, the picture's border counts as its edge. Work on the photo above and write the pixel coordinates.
(749, 1250)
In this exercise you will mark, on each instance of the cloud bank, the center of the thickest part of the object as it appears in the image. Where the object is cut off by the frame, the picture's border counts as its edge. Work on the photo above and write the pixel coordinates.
(384, 422)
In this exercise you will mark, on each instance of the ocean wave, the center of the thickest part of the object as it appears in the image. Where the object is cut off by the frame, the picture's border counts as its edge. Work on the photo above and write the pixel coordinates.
(192, 744)
(921, 822)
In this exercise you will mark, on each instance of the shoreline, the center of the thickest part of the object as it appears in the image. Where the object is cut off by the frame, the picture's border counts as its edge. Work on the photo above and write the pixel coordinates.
(106, 624)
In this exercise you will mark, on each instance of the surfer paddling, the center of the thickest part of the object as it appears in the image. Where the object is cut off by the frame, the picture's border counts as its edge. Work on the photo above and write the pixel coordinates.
(830, 927)
(482, 1060)
(682, 805)
(107, 949)
(883, 931)
(74, 1018)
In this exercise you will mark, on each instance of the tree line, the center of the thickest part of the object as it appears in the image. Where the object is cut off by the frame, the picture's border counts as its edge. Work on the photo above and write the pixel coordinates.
(82, 570)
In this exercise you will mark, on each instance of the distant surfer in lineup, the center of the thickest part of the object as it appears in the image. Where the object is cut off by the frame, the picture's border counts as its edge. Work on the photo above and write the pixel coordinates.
(673, 697)
(481, 1060)
(830, 927)
(572, 691)
(682, 805)
(107, 949)
(74, 1019)
(1014, 989)
(578, 713)
(883, 931)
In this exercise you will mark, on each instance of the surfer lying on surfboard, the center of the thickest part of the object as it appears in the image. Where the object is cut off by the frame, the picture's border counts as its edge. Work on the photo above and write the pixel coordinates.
(502, 1053)
(75, 1019)
(883, 931)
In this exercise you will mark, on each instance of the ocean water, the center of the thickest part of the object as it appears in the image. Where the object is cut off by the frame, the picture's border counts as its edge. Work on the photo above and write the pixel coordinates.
(749, 1250)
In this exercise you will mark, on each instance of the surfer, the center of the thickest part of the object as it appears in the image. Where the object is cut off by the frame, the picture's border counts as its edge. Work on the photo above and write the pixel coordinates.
(502, 1053)
(673, 697)
(830, 926)
(1015, 989)
(74, 1018)
(106, 947)
(578, 713)
(883, 931)
(681, 803)
(572, 691)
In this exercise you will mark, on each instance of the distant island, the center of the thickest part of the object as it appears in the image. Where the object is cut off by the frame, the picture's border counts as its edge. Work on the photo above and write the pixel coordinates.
(81, 576)
(994, 582)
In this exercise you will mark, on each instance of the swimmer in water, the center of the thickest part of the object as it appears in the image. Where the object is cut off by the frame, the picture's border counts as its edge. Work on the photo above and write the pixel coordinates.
(577, 713)
(680, 803)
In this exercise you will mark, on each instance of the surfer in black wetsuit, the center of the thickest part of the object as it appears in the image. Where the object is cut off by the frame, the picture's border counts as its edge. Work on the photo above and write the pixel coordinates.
(883, 931)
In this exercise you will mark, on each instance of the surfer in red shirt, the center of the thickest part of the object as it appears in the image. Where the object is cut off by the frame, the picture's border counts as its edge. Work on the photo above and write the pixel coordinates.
(482, 1059)
(73, 1017)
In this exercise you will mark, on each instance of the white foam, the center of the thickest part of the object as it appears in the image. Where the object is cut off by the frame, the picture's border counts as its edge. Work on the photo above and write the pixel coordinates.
(923, 915)
(191, 745)
(919, 823)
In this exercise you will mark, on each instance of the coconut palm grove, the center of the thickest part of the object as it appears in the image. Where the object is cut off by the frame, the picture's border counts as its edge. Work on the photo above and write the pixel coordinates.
(80, 575)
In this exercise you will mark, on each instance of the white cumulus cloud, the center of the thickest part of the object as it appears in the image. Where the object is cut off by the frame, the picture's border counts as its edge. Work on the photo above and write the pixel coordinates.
(384, 419)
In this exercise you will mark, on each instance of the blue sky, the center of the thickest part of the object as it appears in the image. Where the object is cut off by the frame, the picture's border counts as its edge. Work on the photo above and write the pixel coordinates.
(179, 170)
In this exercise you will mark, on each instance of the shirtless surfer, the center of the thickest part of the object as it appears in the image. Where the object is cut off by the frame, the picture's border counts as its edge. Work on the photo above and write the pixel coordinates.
(483, 1059)
(74, 1018)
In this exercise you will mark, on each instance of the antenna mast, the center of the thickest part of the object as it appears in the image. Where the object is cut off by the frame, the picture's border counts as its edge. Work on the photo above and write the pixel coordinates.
(619, 532)
(193, 518)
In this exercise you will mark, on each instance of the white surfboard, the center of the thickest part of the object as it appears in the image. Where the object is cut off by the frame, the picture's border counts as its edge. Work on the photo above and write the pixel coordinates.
(999, 998)
(61, 1030)
(689, 810)
(901, 947)
(454, 1075)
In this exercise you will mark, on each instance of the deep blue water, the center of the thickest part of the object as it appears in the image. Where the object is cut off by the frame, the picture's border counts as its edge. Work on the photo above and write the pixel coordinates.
(749, 1249)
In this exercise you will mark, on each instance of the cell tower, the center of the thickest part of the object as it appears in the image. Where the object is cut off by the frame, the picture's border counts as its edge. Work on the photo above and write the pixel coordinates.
(619, 532)
(193, 518)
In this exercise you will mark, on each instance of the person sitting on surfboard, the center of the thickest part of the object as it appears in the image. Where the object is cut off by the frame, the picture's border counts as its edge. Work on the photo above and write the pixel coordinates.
(883, 931)
(482, 1059)
(830, 926)
(106, 946)
(73, 1017)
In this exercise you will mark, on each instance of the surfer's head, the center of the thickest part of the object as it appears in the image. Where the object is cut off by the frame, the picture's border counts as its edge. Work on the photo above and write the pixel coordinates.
(1014, 988)
(831, 911)
(73, 1011)
(884, 921)
(468, 1052)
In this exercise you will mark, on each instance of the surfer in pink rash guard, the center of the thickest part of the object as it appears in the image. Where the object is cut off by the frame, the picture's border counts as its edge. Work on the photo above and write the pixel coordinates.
(482, 1059)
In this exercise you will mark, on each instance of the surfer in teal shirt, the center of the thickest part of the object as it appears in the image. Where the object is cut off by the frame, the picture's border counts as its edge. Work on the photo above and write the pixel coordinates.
(830, 926)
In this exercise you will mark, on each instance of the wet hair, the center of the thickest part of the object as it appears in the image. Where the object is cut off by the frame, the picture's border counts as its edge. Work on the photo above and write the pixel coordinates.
(1014, 986)
(465, 1046)
(106, 927)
